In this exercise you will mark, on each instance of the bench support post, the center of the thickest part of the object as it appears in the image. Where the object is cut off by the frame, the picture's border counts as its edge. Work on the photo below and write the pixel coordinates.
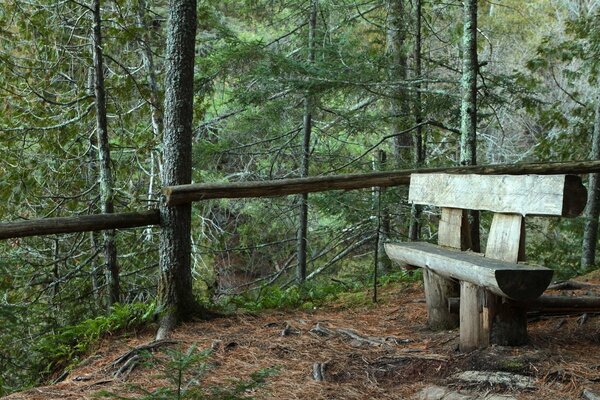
(471, 333)
(453, 232)
(504, 321)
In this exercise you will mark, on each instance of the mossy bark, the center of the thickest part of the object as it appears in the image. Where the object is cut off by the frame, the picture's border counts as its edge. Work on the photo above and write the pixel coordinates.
(176, 299)
(305, 156)
(104, 163)
(592, 210)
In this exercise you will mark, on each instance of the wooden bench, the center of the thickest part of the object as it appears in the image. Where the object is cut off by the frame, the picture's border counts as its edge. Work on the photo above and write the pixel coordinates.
(494, 288)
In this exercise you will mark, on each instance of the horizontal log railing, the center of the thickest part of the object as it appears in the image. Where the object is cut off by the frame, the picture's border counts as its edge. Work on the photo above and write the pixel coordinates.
(83, 223)
(183, 194)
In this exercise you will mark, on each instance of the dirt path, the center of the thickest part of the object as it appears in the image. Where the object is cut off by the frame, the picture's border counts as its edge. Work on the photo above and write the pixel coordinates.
(395, 357)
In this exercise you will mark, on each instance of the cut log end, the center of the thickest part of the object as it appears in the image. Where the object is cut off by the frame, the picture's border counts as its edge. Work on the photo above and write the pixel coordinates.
(523, 285)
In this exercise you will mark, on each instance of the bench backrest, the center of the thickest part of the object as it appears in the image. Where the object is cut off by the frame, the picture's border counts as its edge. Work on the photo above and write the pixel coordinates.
(551, 195)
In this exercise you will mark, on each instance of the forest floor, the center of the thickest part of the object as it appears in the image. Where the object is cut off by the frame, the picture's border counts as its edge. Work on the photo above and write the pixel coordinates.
(381, 351)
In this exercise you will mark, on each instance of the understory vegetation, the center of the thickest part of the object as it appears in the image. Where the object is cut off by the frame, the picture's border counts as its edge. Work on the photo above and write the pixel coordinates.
(377, 84)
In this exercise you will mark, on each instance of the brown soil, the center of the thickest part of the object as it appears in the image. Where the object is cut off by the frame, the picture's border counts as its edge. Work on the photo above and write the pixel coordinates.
(563, 356)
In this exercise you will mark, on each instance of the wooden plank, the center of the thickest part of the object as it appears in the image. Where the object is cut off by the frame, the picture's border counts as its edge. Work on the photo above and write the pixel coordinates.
(84, 223)
(515, 281)
(453, 229)
(506, 240)
(174, 195)
(553, 195)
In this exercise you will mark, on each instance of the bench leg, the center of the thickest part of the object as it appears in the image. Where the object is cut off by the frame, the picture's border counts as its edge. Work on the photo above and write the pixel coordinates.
(505, 321)
(471, 334)
(453, 232)
(437, 292)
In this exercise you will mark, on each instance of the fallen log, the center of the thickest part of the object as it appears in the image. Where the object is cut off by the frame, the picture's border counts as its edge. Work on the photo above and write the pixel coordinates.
(572, 285)
(548, 304)
(182, 194)
(83, 223)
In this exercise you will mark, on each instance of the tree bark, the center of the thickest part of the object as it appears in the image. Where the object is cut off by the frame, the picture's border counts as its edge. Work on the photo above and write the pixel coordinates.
(156, 109)
(382, 215)
(468, 110)
(398, 71)
(306, 134)
(175, 296)
(592, 211)
(83, 223)
(104, 162)
(414, 231)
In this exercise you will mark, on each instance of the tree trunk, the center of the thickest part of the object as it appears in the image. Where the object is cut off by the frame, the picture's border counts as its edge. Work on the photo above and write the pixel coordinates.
(155, 105)
(414, 232)
(468, 110)
(399, 105)
(307, 129)
(175, 296)
(382, 215)
(592, 210)
(104, 162)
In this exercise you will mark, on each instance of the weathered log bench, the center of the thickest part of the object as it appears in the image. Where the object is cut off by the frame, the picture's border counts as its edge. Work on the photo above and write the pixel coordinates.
(494, 288)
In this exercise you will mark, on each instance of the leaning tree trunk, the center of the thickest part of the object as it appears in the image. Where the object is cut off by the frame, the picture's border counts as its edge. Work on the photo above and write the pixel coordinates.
(104, 163)
(592, 210)
(175, 296)
(468, 110)
(307, 130)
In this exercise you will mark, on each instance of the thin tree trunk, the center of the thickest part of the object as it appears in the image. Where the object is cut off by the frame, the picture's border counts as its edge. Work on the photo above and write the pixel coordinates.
(399, 104)
(104, 162)
(414, 232)
(156, 109)
(148, 60)
(382, 215)
(306, 134)
(468, 110)
(175, 296)
(96, 273)
(592, 210)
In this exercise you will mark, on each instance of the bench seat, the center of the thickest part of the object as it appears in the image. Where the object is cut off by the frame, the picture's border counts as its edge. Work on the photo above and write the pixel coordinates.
(518, 282)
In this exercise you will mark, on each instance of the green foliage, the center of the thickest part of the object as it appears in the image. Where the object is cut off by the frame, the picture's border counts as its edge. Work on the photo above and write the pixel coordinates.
(553, 243)
(317, 293)
(61, 348)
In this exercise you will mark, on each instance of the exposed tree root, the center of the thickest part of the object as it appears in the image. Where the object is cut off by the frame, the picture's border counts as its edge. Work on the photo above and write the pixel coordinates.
(357, 338)
(125, 363)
